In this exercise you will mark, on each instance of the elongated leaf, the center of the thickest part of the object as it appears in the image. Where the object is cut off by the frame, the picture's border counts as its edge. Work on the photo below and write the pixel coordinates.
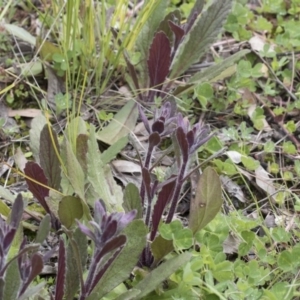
(100, 176)
(36, 268)
(34, 171)
(61, 272)
(213, 73)
(136, 233)
(159, 60)
(70, 209)
(132, 200)
(197, 8)
(161, 273)
(164, 197)
(130, 295)
(111, 152)
(76, 261)
(48, 156)
(155, 15)
(81, 150)
(74, 170)
(32, 291)
(175, 18)
(207, 201)
(43, 230)
(203, 33)
(178, 32)
(12, 282)
(7, 195)
(37, 125)
(4, 209)
(123, 123)
(20, 33)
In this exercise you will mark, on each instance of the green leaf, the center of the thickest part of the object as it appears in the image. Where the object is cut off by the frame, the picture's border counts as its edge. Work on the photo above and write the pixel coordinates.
(168, 230)
(100, 176)
(74, 171)
(135, 233)
(35, 290)
(214, 73)
(160, 247)
(183, 239)
(132, 200)
(286, 261)
(20, 33)
(37, 125)
(154, 16)
(49, 151)
(203, 33)
(81, 150)
(70, 208)
(223, 271)
(130, 295)
(122, 124)
(207, 201)
(43, 230)
(111, 152)
(250, 163)
(12, 281)
(161, 273)
(4, 209)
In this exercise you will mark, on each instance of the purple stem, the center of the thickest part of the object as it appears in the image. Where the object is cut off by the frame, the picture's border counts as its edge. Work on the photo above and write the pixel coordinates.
(176, 193)
(89, 280)
(143, 188)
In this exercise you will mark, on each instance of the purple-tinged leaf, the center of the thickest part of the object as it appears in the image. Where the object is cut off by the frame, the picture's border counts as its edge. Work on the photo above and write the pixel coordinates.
(164, 197)
(86, 231)
(183, 144)
(166, 110)
(146, 181)
(76, 262)
(61, 272)
(192, 18)
(144, 118)
(190, 138)
(159, 60)
(158, 126)
(173, 16)
(17, 212)
(33, 171)
(202, 136)
(99, 212)
(202, 34)
(154, 140)
(125, 219)
(109, 231)
(132, 72)
(100, 274)
(8, 238)
(36, 268)
(110, 246)
(49, 149)
(195, 12)
(178, 32)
